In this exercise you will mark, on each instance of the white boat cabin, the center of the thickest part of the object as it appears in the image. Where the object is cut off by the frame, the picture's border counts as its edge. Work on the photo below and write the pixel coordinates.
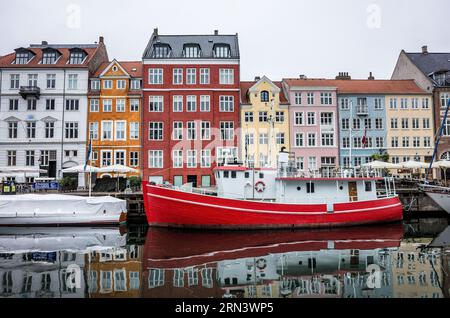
(287, 185)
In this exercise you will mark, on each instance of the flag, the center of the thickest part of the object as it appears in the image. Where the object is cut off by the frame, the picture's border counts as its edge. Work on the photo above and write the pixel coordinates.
(364, 138)
(88, 155)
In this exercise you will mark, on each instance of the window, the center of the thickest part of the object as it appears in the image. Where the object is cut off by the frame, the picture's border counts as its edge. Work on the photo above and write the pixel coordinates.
(155, 76)
(356, 124)
(155, 131)
(191, 103)
(76, 58)
(311, 118)
(134, 158)
(368, 123)
(191, 76)
(346, 142)
(106, 158)
(107, 84)
(51, 81)
(192, 158)
(357, 142)
(72, 104)
(22, 58)
(135, 84)
(120, 105)
(156, 104)
(227, 130)
(280, 139)
(394, 123)
(226, 103)
(15, 81)
(298, 98)
(177, 132)
(393, 103)
(49, 130)
(263, 139)
(263, 117)
(426, 123)
(444, 99)
(416, 142)
(326, 99)
(107, 127)
(71, 130)
(119, 157)
(368, 186)
(95, 85)
(177, 104)
(327, 140)
(12, 157)
(378, 123)
(192, 51)
(394, 142)
(298, 118)
(345, 104)
(177, 158)
(249, 139)
(93, 130)
(121, 84)
(405, 123)
(73, 81)
(205, 103)
(107, 105)
(310, 98)
(264, 96)
(326, 119)
(379, 142)
(31, 129)
(177, 76)
(204, 76)
(134, 130)
(405, 142)
(13, 104)
(12, 130)
(312, 163)
(425, 103)
(206, 130)
(31, 104)
(155, 158)
(248, 117)
(191, 130)
(403, 103)
(226, 76)
(161, 50)
(414, 103)
(222, 51)
(311, 139)
(427, 142)
(300, 163)
(415, 123)
(134, 105)
(378, 104)
(279, 117)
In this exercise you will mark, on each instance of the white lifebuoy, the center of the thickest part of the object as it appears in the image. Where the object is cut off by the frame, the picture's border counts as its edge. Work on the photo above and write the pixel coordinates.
(261, 263)
(260, 187)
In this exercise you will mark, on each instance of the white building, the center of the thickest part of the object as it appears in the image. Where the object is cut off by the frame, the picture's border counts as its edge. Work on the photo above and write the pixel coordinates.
(43, 107)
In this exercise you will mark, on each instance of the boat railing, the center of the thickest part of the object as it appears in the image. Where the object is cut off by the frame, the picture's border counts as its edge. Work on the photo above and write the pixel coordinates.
(326, 172)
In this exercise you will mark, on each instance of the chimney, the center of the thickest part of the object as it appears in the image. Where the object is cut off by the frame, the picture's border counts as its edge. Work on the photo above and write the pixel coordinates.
(257, 78)
(44, 43)
(343, 76)
(216, 32)
(101, 40)
(424, 49)
(371, 77)
(155, 31)
(303, 76)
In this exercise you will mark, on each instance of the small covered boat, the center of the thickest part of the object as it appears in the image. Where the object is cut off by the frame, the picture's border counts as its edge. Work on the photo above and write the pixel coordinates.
(56, 209)
(271, 198)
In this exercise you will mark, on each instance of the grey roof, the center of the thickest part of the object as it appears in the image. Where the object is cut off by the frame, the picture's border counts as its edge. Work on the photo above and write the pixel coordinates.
(206, 43)
(431, 62)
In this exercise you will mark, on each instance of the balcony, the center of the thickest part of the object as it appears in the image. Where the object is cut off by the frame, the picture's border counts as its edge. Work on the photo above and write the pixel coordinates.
(362, 110)
(30, 91)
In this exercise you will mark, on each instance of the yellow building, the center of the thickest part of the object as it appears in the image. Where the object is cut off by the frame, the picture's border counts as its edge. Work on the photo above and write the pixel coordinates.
(264, 122)
(410, 130)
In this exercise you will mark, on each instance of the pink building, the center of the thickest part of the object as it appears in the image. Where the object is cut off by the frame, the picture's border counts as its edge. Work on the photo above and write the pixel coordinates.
(313, 127)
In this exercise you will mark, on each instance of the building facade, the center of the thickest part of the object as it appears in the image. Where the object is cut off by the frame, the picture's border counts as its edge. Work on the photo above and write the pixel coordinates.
(114, 115)
(313, 123)
(264, 122)
(43, 107)
(191, 106)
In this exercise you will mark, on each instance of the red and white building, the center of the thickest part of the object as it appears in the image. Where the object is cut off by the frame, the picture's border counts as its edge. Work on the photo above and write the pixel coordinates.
(191, 106)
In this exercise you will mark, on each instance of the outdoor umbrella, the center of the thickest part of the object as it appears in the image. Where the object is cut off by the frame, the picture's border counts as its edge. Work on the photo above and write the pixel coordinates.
(83, 169)
(414, 165)
(381, 165)
(443, 164)
(117, 169)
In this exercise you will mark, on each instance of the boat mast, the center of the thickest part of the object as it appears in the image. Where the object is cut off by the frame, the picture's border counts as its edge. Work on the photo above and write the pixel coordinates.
(438, 140)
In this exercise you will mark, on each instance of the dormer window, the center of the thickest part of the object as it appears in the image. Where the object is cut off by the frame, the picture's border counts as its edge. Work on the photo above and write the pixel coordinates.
(77, 56)
(192, 51)
(22, 56)
(222, 51)
(161, 50)
(49, 57)
(442, 78)
(264, 96)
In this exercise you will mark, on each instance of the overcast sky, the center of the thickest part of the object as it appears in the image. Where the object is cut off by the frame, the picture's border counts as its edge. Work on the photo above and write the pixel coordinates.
(278, 38)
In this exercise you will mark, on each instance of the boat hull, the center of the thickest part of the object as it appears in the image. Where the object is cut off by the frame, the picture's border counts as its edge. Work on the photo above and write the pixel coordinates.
(441, 199)
(48, 210)
(171, 208)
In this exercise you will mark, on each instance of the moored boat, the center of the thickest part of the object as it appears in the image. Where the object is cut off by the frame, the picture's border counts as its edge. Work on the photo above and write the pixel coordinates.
(275, 198)
(56, 209)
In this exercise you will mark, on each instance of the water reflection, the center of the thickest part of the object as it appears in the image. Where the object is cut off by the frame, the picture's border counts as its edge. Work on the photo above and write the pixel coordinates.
(382, 261)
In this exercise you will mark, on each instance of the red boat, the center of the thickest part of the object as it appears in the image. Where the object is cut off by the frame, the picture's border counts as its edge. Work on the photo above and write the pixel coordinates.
(249, 198)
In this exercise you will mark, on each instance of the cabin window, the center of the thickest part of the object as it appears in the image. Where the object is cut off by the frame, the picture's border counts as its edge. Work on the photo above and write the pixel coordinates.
(226, 174)
(233, 174)
(218, 175)
(261, 175)
(368, 186)
(299, 188)
(310, 187)
(247, 175)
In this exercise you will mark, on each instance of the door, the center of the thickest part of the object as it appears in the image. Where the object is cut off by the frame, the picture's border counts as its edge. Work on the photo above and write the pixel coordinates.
(193, 180)
(352, 191)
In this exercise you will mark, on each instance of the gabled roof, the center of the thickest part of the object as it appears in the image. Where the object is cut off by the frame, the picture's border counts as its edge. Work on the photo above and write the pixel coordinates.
(246, 86)
(206, 43)
(430, 63)
(132, 68)
(356, 86)
(64, 49)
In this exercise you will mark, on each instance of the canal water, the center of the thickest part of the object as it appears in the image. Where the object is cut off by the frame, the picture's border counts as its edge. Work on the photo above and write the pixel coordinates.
(394, 261)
